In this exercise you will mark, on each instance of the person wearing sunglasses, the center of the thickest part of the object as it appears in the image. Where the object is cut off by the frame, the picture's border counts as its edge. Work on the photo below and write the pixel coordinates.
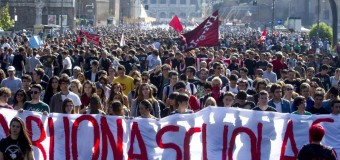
(35, 104)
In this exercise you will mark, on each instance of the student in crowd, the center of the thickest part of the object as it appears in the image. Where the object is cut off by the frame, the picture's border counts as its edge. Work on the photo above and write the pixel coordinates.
(263, 102)
(36, 104)
(67, 106)
(115, 109)
(210, 102)
(20, 97)
(316, 150)
(145, 109)
(182, 102)
(18, 139)
(300, 103)
(228, 99)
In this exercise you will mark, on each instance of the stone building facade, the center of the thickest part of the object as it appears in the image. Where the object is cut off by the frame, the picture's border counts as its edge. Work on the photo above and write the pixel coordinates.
(34, 12)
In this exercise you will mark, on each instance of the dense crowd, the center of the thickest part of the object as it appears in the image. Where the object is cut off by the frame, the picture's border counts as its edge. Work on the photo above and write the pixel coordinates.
(150, 75)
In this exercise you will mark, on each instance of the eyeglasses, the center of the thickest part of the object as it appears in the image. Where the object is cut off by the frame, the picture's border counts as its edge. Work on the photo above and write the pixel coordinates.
(35, 92)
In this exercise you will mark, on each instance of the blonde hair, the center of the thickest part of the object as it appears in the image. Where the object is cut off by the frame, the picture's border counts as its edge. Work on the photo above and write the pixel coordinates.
(210, 100)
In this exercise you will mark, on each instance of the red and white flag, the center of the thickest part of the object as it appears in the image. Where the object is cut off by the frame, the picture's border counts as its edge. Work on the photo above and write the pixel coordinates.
(263, 36)
(176, 24)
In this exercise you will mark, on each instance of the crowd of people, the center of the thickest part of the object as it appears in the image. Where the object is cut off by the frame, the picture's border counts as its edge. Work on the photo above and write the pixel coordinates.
(152, 77)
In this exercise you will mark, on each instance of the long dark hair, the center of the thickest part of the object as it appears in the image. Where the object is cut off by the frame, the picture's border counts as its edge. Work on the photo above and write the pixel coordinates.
(15, 101)
(63, 106)
(23, 139)
(95, 104)
(49, 89)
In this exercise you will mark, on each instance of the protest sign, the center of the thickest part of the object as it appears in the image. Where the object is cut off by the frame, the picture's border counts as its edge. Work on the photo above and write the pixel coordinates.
(213, 133)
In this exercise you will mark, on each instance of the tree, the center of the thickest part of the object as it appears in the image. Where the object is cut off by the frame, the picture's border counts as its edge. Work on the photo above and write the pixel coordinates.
(5, 19)
(325, 31)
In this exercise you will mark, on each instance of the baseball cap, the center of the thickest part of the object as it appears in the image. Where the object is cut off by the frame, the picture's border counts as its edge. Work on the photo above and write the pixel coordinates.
(10, 68)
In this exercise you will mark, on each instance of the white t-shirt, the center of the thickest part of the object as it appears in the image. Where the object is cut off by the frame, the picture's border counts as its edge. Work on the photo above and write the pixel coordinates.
(75, 98)
(278, 106)
(67, 62)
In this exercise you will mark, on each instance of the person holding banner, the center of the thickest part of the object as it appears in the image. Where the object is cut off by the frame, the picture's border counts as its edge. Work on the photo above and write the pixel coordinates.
(17, 145)
(263, 102)
(182, 102)
(316, 150)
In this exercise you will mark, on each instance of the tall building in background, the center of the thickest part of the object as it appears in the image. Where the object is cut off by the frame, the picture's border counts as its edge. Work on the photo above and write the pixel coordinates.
(164, 10)
(37, 12)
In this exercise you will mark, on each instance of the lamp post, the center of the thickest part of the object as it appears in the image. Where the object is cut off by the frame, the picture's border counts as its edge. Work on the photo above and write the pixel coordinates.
(61, 17)
(318, 25)
(273, 16)
(15, 19)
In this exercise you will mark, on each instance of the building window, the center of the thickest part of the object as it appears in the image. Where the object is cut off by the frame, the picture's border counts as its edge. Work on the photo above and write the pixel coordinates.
(193, 1)
(153, 1)
(162, 1)
(172, 2)
(145, 1)
(183, 2)
(162, 15)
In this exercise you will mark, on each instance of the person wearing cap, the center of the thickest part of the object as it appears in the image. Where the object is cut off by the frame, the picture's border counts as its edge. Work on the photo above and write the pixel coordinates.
(316, 150)
(12, 82)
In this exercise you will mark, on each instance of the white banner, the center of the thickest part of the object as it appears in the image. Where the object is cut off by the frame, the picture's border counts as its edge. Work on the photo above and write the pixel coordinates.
(213, 133)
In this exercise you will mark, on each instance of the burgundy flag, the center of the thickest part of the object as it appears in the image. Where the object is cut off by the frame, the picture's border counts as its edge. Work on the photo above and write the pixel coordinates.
(176, 24)
(206, 34)
(92, 38)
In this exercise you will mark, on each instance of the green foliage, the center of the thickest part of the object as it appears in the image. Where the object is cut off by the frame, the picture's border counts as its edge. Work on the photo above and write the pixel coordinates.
(325, 31)
(5, 19)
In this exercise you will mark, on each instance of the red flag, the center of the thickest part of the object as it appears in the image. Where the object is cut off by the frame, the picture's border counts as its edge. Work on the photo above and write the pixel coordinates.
(92, 38)
(176, 24)
(206, 34)
(263, 36)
